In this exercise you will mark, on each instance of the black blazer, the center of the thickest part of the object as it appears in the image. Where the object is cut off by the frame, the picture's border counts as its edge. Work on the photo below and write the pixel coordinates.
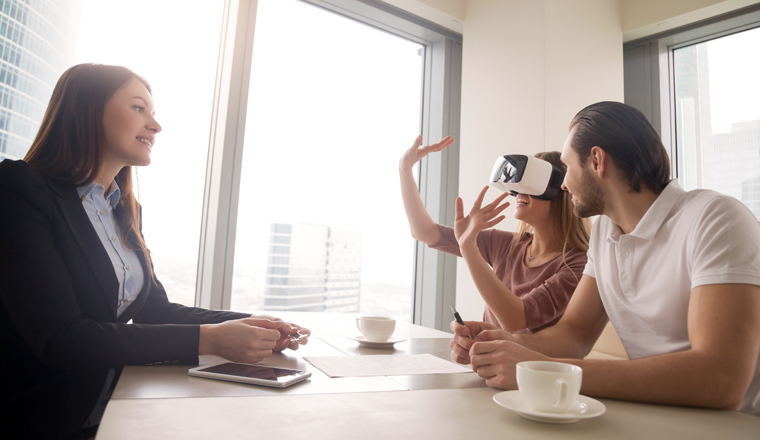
(59, 333)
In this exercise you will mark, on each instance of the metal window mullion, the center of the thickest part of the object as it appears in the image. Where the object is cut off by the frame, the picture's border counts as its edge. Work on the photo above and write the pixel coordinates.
(435, 275)
(223, 168)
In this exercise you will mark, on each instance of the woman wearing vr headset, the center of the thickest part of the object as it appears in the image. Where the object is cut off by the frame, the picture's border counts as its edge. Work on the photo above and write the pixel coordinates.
(526, 278)
(75, 268)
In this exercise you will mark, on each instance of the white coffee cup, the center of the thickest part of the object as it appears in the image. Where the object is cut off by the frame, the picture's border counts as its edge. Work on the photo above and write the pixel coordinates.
(549, 386)
(376, 328)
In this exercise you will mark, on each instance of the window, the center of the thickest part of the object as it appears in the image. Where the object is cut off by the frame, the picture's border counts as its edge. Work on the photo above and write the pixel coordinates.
(717, 107)
(332, 106)
(302, 177)
(698, 86)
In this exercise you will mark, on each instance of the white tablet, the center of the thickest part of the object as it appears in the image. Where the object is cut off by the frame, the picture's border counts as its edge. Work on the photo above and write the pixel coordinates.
(253, 374)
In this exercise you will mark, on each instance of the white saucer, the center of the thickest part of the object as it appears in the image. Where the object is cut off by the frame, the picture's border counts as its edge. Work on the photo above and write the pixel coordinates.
(583, 408)
(389, 343)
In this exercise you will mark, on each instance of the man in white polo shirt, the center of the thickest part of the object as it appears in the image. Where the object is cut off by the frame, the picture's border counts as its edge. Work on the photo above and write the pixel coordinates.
(677, 273)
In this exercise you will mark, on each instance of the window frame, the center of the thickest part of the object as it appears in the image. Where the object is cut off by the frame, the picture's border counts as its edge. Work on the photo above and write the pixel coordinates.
(434, 273)
(649, 67)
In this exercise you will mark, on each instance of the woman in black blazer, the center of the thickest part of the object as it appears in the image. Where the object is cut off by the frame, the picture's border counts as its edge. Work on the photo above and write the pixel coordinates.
(64, 332)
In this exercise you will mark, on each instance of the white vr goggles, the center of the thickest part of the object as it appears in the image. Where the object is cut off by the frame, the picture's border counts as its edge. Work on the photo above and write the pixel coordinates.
(520, 174)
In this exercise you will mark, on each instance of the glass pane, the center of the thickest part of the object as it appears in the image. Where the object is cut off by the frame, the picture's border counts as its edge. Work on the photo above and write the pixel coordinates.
(180, 64)
(333, 105)
(718, 116)
(37, 43)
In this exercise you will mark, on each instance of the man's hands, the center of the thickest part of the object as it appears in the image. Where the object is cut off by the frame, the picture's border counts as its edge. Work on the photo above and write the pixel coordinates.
(466, 229)
(493, 352)
(461, 344)
(249, 340)
(496, 361)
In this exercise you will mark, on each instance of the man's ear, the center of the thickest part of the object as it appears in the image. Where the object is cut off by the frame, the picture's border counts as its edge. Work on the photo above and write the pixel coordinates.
(599, 163)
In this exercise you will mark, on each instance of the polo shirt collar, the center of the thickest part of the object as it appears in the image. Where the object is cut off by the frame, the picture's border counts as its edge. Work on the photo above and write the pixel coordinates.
(658, 212)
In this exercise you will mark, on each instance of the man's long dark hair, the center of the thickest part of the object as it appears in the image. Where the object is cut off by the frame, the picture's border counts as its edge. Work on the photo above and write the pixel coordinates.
(68, 146)
(625, 134)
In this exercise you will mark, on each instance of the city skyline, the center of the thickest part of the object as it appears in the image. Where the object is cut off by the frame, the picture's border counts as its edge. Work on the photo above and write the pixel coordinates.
(313, 268)
(36, 46)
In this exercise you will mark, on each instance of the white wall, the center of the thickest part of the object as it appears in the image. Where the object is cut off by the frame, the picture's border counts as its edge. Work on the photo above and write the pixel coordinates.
(528, 67)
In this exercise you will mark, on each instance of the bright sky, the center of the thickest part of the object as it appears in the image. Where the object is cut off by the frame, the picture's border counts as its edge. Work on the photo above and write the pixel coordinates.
(734, 71)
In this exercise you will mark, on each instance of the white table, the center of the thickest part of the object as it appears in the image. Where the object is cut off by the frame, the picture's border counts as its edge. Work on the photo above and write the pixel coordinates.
(163, 402)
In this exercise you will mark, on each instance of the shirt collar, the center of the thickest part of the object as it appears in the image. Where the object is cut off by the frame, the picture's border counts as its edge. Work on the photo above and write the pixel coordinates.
(112, 196)
(655, 215)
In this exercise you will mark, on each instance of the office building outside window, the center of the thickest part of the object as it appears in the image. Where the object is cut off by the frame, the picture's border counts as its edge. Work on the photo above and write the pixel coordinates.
(718, 116)
(313, 268)
(36, 45)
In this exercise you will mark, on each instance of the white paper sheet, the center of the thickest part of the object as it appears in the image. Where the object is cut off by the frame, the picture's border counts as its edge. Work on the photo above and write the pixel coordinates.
(384, 365)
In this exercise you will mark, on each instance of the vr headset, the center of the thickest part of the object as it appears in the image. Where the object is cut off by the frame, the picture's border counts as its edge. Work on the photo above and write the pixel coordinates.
(520, 174)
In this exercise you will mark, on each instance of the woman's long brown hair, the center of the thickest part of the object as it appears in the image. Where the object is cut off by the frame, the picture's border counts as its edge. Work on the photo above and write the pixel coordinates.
(68, 145)
(573, 232)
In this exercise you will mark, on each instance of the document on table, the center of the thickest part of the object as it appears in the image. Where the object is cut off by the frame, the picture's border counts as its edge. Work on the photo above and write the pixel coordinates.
(384, 365)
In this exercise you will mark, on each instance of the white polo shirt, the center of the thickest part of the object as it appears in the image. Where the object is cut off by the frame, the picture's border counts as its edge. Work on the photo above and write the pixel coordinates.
(645, 278)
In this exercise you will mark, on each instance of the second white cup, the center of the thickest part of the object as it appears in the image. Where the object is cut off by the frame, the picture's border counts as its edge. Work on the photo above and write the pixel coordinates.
(376, 328)
(549, 386)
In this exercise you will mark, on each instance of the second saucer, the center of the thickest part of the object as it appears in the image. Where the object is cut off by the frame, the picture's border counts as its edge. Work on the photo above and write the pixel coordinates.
(389, 343)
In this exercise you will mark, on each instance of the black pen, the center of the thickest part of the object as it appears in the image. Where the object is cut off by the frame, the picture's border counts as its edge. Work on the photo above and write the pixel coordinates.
(459, 319)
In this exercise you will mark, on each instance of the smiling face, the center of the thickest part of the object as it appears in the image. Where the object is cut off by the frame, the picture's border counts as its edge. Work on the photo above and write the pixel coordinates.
(129, 126)
(532, 210)
(587, 195)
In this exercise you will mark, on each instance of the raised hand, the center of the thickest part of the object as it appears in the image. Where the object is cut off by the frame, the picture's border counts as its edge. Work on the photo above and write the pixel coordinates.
(417, 151)
(421, 225)
(466, 228)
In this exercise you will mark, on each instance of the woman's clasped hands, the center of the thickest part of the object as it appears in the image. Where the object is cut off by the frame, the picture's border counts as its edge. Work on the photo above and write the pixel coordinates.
(250, 340)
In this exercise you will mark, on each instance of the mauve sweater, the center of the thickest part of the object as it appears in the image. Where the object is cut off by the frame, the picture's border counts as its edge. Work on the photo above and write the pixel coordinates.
(545, 290)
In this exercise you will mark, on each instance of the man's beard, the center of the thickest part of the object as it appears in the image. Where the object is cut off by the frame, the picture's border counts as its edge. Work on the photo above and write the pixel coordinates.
(592, 194)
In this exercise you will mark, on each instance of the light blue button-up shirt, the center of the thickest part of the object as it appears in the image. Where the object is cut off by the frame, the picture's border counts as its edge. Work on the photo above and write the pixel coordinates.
(99, 207)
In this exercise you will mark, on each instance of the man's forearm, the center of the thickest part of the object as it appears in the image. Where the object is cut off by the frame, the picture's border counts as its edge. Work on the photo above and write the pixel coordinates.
(557, 341)
(686, 378)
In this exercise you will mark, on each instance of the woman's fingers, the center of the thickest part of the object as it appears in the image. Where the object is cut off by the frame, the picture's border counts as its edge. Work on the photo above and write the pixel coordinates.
(427, 149)
(479, 199)
(443, 143)
(488, 216)
(495, 202)
(459, 209)
(417, 142)
(495, 221)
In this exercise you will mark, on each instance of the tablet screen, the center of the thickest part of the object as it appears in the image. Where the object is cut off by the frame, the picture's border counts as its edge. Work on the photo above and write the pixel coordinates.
(253, 371)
